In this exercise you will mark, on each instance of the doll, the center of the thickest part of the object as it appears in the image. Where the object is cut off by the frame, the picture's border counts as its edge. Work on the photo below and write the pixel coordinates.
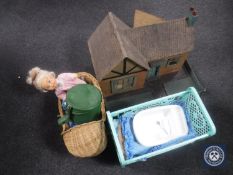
(44, 81)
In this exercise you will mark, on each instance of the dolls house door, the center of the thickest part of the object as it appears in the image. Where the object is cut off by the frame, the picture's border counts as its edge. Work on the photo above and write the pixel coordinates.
(153, 72)
(156, 67)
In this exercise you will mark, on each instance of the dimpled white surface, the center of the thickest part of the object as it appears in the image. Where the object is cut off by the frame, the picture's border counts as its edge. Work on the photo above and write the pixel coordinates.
(159, 125)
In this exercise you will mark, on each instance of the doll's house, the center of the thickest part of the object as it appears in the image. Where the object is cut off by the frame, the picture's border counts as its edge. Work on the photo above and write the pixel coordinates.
(124, 57)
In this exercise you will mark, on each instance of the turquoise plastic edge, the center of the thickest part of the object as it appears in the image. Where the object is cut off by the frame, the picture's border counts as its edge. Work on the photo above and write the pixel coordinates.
(121, 158)
(116, 140)
(198, 98)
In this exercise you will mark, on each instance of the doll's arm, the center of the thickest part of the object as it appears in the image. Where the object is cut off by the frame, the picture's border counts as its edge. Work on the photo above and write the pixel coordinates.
(61, 94)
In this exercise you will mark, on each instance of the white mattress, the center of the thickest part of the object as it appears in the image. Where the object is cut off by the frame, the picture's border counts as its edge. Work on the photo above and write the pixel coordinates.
(159, 125)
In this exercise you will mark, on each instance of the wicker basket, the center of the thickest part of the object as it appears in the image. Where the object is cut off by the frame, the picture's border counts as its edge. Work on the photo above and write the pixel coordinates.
(88, 139)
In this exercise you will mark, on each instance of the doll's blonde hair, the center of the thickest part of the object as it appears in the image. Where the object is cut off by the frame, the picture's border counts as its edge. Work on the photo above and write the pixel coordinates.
(35, 77)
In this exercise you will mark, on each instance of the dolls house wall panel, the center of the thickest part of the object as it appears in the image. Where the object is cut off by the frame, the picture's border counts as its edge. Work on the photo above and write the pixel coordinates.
(131, 67)
(166, 65)
(173, 64)
(124, 77)
(116, 72)
(125, 67)
(124, 83)
(111, 75)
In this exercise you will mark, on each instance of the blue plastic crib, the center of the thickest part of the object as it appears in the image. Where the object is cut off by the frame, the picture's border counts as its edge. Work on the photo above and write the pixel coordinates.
(200, 120)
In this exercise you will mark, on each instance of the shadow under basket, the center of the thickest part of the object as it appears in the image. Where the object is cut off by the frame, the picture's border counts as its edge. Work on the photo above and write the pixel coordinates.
(88, 139)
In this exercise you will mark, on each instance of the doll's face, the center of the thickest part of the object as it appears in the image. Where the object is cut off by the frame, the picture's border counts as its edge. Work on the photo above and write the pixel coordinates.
(49, 83)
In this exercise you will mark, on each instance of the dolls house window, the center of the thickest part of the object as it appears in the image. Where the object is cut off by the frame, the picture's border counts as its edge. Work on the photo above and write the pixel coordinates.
(123, 84)
(119, 84)
(172, 61)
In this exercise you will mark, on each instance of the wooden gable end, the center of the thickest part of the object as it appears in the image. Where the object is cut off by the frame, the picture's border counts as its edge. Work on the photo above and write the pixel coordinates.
(132, 67)
(144, 19)
(115, 72)
(126, 67)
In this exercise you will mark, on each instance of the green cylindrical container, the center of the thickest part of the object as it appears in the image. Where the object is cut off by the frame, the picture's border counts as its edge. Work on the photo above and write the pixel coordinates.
(85, 103)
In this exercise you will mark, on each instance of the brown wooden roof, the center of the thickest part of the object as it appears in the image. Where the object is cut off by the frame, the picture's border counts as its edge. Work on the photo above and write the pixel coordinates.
(108, 48)
(162, 40)
(113, 41)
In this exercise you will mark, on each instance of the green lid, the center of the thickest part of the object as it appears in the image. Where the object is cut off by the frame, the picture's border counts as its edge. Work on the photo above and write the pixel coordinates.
(84, 97)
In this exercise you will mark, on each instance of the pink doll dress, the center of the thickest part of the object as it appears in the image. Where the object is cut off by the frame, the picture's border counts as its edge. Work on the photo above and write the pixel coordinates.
(65, 81)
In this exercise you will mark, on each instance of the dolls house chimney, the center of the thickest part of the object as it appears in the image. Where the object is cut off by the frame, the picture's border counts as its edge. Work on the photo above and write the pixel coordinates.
(192, 18)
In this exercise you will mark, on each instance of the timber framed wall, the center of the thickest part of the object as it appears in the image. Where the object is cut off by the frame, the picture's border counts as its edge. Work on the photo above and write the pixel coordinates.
(106, 85)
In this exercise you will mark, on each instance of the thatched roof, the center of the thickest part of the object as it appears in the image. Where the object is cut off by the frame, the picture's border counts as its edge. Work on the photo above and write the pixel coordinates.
(113, 41)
